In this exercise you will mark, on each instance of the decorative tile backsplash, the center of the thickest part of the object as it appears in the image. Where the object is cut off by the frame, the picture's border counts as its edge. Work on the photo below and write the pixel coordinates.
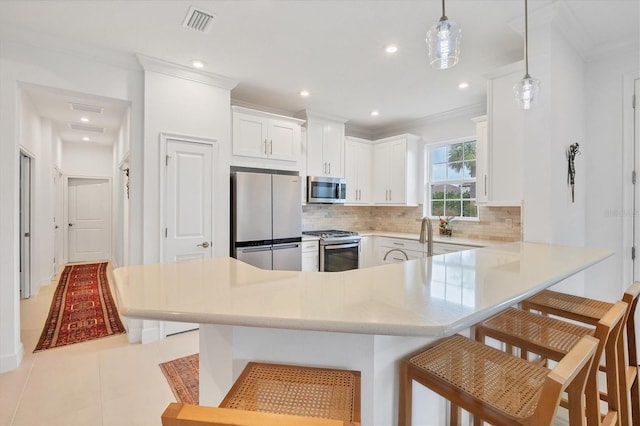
(496, 223)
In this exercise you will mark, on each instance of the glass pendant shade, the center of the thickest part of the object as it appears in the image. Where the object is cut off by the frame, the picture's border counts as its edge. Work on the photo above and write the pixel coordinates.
(526, 91)
(443, 40)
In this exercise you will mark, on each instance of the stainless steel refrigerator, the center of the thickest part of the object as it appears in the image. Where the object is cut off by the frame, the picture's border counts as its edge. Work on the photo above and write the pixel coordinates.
(266, 220)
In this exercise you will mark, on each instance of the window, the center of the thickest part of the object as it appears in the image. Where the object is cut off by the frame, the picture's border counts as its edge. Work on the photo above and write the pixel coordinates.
(452, 179)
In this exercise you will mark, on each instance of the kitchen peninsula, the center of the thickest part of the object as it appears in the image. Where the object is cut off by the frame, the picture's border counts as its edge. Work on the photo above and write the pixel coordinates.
(364, 319)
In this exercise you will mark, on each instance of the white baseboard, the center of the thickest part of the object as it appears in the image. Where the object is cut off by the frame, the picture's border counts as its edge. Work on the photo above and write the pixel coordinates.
(12, 361)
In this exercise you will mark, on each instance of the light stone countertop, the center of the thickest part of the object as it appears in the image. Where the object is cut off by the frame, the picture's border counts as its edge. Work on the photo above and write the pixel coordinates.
(424, 297)
(436, 238)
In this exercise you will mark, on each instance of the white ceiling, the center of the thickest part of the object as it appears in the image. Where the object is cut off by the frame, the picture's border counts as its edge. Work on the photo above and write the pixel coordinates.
(333, 48)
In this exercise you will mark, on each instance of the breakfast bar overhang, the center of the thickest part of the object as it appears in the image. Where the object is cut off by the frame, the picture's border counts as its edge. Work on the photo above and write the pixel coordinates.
(364, 319)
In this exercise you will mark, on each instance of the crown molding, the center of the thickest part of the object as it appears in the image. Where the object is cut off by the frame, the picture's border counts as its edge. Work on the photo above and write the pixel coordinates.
(407, 127)
(257, 107)
(306, 114)
(12, 34)
(185, 73)
(630, 46)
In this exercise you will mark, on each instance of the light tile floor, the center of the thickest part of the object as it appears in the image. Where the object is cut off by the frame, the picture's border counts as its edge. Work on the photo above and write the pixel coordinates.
(103, 382)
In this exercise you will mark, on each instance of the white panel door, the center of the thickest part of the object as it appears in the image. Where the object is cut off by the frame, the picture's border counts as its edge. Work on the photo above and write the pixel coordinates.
(89, 218)
(189, 201)
(188, 209)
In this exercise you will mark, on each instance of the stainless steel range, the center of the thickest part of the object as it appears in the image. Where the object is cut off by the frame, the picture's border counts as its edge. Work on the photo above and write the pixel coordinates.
(339, 250)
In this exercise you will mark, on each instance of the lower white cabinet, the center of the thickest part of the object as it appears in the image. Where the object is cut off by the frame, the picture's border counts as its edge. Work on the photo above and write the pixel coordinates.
(366, 256)
(444, 248)
(392, 250)
(311, 256)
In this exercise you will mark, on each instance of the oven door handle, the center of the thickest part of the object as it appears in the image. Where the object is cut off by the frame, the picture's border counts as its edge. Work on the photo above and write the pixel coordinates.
(340, 246)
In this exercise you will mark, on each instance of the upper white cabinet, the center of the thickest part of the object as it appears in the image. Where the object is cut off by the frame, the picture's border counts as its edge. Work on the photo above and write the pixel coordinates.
(395, 170)
(501, 178)
(358, 157)
(325, 146)
(262, 135)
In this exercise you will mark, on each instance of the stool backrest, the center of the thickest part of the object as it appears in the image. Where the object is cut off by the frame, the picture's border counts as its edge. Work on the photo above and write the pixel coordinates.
(631, 297)
(572, 370)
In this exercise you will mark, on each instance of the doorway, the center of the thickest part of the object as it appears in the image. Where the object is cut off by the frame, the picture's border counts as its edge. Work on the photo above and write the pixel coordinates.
(88, 219)
(188, 206)
(25, 226)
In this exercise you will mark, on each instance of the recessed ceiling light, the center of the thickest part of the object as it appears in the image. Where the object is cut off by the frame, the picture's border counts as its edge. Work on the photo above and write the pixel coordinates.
(86, 138)
(463, 85)
(84, 119)
(304, 93)
(375, 113)
(197, 64)
(392, 48)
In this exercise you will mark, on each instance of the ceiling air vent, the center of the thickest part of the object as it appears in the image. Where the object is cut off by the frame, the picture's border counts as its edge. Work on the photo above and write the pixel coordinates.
(199, 20)
(86, 127)
(86, 108)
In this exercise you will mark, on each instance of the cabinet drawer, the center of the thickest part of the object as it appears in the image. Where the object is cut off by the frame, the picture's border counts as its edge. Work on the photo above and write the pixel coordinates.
(444, 248)
(401, 244)
(310, 246)
(397, 256)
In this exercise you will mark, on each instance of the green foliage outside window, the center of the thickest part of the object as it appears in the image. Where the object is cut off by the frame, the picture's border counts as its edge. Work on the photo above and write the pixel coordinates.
(453, 180)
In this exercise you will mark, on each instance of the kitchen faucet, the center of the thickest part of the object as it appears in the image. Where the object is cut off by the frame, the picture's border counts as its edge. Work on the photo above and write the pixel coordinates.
(425, 228)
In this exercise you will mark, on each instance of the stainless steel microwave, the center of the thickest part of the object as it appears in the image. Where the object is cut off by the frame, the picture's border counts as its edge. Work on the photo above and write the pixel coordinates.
(326, 190)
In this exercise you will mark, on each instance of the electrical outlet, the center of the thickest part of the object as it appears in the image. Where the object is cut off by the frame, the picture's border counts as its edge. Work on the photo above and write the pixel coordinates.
(508, 223)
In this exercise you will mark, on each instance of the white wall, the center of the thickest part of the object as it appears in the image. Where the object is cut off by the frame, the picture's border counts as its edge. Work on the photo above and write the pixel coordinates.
(86, 160)
(551, 126)
(610, 160)
(184, 106)
(35, 138)
(50, 66)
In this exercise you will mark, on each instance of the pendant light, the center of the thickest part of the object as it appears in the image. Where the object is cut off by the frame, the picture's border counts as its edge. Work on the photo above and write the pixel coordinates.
(443, 40)
(526, 90)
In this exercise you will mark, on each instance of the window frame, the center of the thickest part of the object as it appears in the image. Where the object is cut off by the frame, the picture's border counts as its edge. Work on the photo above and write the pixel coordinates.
(428, 173)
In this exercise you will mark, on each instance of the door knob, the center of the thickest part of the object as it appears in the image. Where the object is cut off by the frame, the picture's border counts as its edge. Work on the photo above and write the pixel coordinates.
(71, 224)
(205, 244)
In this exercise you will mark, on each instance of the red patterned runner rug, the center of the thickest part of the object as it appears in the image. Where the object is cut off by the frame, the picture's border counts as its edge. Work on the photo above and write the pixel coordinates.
(183, 375)
(82, 308)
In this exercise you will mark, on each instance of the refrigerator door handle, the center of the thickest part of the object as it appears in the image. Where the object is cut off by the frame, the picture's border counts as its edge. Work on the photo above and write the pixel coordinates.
(253, 250)
(285, 246)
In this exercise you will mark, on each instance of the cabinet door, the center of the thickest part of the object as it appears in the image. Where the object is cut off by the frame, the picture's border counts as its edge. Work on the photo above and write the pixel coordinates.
(506, 123)
(398, 171)
(333, 149)
(316, 165)
(364, 174)
(284, 139)
(381, 168)
(249, 135)
(351, 171)
(482, 158)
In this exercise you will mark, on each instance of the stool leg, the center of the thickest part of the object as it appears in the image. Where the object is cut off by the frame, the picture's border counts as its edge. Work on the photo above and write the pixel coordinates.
(612, 372)
(405, 396)
(455, 418)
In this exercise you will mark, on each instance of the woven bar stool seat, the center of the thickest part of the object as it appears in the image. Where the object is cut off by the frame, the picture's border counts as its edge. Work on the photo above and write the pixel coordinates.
(590, 311)
(494, 386)
(552, 339)
(297, 390)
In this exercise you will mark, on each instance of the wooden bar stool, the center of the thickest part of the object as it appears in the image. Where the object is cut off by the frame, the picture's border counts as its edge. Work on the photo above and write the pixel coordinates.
(552, 339)
(589, 311)
(278, 394)
(297, 390)
(494, 386)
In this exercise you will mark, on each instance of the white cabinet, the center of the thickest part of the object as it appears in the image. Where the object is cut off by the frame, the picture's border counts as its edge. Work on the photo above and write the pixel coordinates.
(357, 157)
(392, 250)
(261, 135)
(366, 257)
(310, 256)
(395, 170)
(444, 248)
(325, 146)
(504, 139)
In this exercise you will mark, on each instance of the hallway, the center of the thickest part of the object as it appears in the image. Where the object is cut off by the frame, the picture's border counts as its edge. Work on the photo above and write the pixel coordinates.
(103, 382)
